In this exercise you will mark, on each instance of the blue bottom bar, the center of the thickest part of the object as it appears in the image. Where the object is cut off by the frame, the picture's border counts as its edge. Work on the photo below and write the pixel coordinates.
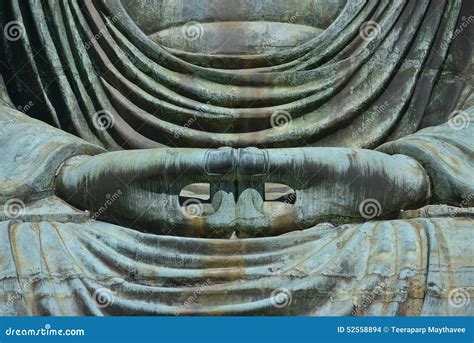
(236, 329)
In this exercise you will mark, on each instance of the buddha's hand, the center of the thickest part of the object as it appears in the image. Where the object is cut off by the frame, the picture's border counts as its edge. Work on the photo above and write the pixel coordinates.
(141, 189)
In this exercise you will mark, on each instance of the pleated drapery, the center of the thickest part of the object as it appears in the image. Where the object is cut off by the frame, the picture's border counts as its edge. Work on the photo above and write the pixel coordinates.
(86, 57)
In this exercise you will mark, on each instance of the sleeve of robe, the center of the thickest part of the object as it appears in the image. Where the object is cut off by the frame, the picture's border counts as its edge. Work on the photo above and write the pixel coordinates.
(30, 154)
(447, 153)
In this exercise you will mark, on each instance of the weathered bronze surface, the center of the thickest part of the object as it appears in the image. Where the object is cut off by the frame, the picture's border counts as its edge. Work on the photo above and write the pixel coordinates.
(187, 157)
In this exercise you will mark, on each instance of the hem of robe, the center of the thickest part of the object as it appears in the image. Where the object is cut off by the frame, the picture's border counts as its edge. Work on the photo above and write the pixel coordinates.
(419, 266)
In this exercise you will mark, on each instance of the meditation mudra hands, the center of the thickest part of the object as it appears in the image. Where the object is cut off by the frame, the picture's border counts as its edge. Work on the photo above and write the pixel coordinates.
(141, 188)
